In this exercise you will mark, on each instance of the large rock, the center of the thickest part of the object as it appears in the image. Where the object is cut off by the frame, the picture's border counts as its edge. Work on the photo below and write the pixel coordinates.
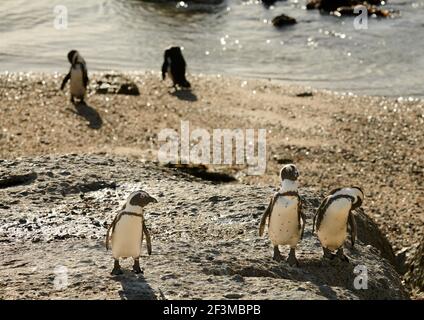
(205, 239)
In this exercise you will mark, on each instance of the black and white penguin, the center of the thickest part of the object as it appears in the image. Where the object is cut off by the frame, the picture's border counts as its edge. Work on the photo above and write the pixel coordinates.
(333, 217)
(78, 75)
(286, 220)
(175, 66)
(127, 230)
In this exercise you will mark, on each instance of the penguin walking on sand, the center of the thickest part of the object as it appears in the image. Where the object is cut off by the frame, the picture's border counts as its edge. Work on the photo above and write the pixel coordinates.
(286, 220)
(78, 75)
(175, 66)
(127, 230)
(333, 217)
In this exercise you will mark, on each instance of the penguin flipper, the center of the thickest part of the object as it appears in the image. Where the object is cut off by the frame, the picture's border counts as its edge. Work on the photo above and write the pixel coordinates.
(85, 77)
(319, 215)
(65, 80)
(353, 228)
(266, 214)
(148, 239)
(165, 65)
(110, 229)
(108, 237)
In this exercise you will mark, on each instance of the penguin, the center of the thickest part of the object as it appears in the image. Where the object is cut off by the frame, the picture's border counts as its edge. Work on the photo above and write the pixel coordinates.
(78, 75)
(127, 230)
(175, 66)
(333, 217)
(286, 220)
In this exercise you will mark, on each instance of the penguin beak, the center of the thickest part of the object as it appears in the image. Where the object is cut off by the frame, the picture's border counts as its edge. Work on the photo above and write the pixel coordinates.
(153, 200)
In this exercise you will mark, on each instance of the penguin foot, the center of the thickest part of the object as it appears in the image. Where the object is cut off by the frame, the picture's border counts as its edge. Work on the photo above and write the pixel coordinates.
(277, 255)
(137, 270)
(291, 260)
(72, 100)
(342, 256)
(136, 267)
(116, 268)
(116, 271)
(328, 254)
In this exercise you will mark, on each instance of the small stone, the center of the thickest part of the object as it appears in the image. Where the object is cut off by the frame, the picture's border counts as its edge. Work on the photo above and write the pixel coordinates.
(233, 295)
(237, 278)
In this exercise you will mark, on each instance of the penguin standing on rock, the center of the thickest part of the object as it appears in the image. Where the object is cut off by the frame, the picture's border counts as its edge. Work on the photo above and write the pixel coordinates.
(127, 230)
(175, 66)
(286, 219)
(78, 75)
(333, 217)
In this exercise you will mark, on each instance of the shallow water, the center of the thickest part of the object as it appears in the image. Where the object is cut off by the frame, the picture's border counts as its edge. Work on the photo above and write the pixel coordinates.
(234, 37)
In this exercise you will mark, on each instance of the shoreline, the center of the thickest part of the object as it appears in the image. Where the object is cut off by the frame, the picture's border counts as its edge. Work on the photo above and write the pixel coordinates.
(335, 139)
(278, 82)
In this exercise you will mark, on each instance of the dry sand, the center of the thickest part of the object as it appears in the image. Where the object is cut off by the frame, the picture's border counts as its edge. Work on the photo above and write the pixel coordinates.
(334, 139)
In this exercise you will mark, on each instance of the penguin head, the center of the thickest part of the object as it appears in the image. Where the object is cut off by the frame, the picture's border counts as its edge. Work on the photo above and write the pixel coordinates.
(359, 197)
(354, 192)
(175, 54)
(74, 57)
(175, 51)
(140, 199)
(71, 55)
(289, 172)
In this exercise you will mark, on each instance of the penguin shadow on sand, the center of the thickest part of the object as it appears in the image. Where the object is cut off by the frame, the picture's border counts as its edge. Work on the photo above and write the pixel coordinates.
(134, 287)
(89, 114)
(184, 94)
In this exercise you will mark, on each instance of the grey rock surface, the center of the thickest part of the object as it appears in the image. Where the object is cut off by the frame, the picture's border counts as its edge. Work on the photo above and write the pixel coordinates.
(205, 238)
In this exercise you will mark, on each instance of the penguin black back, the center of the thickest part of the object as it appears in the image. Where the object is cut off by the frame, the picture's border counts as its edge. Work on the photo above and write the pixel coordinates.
(175, 65)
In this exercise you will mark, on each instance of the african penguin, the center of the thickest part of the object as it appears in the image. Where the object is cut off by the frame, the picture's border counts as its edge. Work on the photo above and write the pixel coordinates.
(78, 76)
(175, 66)
(286, 219)
(333, 217)
(127, 229)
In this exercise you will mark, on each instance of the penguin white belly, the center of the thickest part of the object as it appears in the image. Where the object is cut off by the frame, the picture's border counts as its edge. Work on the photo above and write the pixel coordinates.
(77, 84)
(333, 228)
(171, 76)
(126, 238)
(284, 222)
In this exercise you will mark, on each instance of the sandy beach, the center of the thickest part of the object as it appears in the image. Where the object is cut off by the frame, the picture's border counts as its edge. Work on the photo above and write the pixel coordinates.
(335, 139)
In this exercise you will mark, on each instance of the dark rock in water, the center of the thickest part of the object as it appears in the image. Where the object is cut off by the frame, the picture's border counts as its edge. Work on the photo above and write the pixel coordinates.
(116, 84)
(268, 3)
(313, 4)
(283, 20)
(347, 7)
(372, 10)
(332, 5)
